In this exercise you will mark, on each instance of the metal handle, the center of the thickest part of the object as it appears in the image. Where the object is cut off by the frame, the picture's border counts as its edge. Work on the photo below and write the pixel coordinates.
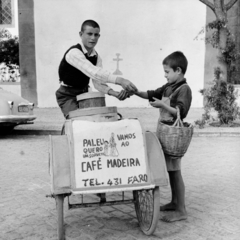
(120, 116)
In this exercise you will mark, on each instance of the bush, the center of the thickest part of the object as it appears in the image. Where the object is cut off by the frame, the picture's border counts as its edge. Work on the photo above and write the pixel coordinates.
(221, 97)
(9, 48)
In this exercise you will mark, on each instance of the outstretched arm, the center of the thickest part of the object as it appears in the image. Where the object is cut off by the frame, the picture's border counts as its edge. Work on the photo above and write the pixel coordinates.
(142, 94)
(119, 95)
(77, 59)
(126, 84)
(103, 87)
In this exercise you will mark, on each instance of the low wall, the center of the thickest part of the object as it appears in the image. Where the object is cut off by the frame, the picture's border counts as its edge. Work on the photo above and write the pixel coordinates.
(12, 87)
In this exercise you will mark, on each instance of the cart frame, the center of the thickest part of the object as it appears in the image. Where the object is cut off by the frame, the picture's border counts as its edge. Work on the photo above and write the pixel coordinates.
(145, 198)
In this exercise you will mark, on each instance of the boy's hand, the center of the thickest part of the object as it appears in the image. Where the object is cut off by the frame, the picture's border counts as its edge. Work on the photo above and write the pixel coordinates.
(119, 95)
(157, 103)
(123, 95)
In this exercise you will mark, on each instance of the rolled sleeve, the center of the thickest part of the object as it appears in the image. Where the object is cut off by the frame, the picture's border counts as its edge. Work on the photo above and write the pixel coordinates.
(111, 78)
(151, 94)
(158, 93)
(101, 87)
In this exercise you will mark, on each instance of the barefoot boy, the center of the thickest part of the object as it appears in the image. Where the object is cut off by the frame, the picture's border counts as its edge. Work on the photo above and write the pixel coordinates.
(176, 93)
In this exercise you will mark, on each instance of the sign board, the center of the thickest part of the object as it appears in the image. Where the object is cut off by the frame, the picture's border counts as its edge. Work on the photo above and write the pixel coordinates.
(108, 155)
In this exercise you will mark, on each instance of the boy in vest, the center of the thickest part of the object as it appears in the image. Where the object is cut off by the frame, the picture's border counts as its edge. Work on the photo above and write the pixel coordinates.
(176, 93)
(80, 63)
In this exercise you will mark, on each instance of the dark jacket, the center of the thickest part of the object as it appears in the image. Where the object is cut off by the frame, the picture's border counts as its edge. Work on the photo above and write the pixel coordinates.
(182, 98)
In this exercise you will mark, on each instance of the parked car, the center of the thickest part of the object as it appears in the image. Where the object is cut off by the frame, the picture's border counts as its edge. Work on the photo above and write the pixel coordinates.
(14, 110)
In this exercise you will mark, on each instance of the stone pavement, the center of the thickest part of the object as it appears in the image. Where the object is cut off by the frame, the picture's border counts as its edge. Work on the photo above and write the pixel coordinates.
(210, 170)
(50, 121)
(211, 174)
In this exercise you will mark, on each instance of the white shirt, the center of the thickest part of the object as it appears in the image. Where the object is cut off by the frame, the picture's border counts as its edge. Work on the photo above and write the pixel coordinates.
(99, 76)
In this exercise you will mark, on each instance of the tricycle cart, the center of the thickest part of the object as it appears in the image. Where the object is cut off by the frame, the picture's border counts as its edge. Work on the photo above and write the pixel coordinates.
(97, 154)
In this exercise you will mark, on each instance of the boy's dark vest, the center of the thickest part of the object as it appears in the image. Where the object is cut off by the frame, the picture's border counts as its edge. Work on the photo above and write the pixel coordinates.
(71, 75)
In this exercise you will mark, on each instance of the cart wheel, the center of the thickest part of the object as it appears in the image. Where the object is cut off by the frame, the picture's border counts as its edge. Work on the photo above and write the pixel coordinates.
(60, 216)
(147, 204)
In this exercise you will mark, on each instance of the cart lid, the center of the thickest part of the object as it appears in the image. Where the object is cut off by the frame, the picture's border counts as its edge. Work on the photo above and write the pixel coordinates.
(89, 95)
(92, 111)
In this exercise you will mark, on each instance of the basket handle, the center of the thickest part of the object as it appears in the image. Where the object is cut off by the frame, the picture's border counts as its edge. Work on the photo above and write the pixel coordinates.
(120, 116)
(178, 122)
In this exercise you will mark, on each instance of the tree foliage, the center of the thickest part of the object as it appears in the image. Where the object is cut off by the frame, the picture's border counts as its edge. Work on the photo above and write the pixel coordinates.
(221, 96)
(9, 48)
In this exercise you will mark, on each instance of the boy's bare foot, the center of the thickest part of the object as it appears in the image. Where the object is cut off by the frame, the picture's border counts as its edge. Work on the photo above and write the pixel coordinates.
(176, 216)
(168, 207)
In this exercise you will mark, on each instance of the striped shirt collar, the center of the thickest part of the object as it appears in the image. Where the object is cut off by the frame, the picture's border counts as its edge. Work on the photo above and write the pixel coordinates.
(93, 53)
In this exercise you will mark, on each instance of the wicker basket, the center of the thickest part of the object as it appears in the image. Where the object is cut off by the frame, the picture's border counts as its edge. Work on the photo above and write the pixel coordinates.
(174, 139)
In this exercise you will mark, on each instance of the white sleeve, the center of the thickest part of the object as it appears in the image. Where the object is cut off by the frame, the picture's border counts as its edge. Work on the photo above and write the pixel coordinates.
(77, 59)
(101, 87)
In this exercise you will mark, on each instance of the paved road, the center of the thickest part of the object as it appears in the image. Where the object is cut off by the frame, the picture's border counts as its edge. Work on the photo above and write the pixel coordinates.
(211, 172)
(50, 121)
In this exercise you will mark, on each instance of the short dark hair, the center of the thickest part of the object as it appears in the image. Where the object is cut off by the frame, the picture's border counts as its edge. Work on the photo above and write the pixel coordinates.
(175, 60)
(90, 23)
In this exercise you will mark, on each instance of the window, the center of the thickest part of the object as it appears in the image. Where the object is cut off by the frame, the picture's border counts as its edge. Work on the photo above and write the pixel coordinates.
(6, 13)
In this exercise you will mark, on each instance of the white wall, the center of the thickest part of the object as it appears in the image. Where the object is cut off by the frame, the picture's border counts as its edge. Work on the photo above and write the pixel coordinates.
(144, 32)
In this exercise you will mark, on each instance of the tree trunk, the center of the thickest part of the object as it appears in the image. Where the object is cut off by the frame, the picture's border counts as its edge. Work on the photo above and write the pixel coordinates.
(220, 10)
(222, 46)
(221, 15)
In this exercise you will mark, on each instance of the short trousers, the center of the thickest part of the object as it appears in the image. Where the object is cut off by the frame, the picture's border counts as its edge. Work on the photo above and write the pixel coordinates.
(172, 164)
(67, 98)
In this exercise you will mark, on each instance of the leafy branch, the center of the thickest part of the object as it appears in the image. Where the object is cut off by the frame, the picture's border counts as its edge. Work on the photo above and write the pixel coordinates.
(9, 48)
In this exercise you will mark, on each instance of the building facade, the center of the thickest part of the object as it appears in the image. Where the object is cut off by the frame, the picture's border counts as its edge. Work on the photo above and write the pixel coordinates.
(139, 32)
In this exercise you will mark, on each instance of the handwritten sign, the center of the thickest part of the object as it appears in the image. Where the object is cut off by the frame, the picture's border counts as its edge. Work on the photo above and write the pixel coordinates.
(109, 154)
